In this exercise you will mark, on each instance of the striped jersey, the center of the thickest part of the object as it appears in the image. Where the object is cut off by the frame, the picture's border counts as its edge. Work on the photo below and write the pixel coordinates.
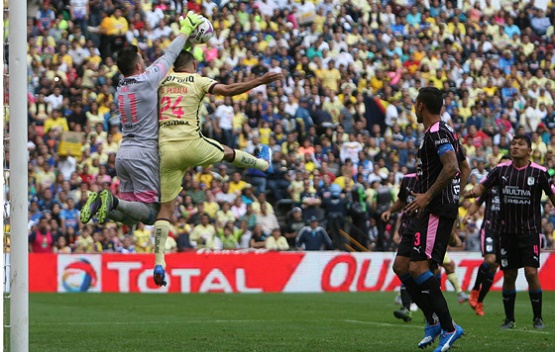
(438, 139)
(181, 94)
(408, 185)
(520, 192)
(491, 213)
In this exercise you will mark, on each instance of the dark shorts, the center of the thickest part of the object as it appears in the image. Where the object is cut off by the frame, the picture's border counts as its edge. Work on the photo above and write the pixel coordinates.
(431, 237)
(519, 250)
(489, 242)
(405, 246)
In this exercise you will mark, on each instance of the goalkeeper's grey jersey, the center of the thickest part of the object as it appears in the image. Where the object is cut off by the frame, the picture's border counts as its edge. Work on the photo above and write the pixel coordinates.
(137, 98)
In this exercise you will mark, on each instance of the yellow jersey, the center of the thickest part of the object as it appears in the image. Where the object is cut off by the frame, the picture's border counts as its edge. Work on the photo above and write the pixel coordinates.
(180, 97)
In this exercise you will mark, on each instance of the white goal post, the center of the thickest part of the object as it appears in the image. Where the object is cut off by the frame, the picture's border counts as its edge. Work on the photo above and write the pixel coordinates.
(18, 187)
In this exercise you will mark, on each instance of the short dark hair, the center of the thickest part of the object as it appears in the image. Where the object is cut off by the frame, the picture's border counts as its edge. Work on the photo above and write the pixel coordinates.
(127, 59)
(432, 98)
(524, 138)
(183, 59)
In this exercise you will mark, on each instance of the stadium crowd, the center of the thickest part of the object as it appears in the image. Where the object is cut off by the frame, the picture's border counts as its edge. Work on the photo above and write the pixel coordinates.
(341, 124)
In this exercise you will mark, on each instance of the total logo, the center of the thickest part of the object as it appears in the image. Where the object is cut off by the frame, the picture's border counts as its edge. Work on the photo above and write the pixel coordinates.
(79, 274)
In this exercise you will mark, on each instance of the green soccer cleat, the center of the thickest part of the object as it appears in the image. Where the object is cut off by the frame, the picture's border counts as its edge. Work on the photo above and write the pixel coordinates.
(106, 204)
(90, 208)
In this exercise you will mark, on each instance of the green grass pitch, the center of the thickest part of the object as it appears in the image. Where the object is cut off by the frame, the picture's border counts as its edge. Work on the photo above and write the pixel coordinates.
(266, 322)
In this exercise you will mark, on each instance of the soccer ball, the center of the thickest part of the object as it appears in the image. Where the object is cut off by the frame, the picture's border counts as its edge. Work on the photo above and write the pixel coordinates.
(202, 33)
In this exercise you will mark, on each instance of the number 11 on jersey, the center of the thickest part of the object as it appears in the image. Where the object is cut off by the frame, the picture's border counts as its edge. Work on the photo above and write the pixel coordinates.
(131, 100)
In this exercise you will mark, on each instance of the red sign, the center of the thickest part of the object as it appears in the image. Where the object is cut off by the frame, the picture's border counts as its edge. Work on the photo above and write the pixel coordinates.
(248, 272)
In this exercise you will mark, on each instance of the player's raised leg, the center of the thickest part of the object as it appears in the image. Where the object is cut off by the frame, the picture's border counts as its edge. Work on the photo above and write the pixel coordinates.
(243, 160)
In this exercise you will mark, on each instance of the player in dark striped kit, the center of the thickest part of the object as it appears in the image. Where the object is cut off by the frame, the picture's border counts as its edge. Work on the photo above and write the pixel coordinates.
(441, 171)
(520, 184)
(406, 189)
(489, 238)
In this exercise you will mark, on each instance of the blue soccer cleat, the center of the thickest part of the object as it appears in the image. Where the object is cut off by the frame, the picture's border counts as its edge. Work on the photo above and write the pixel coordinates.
(266, 154)
(430, 334)
(159, 275)
(446, 339)
(90, 208)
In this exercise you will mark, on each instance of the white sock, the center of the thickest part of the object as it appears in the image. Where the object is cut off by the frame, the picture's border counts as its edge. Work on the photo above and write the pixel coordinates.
(161, 230)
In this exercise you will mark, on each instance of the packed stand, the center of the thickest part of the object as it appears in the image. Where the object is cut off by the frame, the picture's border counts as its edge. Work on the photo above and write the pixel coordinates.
(341, 124)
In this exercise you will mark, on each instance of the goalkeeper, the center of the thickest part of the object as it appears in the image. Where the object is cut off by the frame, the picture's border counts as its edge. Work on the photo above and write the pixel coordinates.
(137, 161)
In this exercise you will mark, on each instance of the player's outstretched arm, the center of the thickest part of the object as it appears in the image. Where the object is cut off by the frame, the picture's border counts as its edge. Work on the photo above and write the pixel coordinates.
(188, 25)
(230, 90)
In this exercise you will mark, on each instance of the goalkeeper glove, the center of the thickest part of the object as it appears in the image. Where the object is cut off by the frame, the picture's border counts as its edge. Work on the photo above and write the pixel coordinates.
(189, 23)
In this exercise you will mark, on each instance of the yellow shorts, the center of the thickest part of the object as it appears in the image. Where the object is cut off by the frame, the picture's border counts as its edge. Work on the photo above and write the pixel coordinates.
(177, 157)
(446, 259)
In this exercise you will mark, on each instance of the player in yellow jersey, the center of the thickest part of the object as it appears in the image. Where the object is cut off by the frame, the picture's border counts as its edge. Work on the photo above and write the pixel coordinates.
(181, 143)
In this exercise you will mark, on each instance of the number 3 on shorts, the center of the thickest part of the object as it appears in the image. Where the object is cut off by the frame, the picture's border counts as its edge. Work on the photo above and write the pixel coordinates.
(417, 239)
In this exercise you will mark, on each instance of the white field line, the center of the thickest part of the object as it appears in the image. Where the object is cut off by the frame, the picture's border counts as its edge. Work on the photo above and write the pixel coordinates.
(247, 321)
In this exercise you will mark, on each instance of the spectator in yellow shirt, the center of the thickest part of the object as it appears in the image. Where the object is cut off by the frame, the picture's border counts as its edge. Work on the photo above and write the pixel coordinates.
(250, 60)
(142, 237)
(276, 241)
(113, 30)
(205, 177)
(203, 234)
(93, 56)
(211, 207)
(265, 133)
(237, 184)
(438, 79)
(330, 77)
(56, 121)
(344, 181)
(490, 89)
(377, 82)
